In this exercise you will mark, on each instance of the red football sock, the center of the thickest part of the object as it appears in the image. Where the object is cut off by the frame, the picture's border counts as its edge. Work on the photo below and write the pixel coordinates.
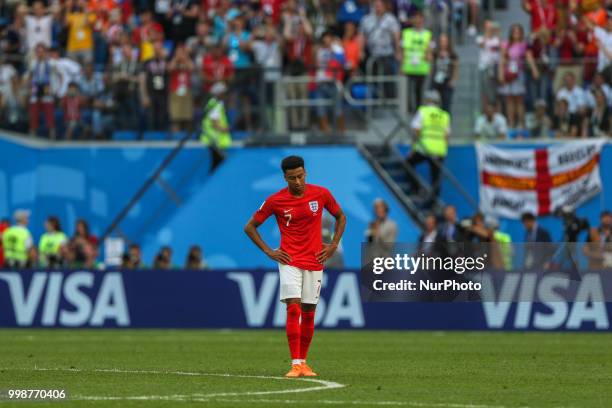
(307, 331)
(293, 329)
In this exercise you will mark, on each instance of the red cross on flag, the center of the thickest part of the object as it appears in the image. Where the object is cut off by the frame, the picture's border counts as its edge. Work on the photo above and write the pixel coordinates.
(538, 180)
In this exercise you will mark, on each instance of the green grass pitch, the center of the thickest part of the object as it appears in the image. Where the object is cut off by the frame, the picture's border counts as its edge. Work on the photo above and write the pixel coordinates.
(208, 368)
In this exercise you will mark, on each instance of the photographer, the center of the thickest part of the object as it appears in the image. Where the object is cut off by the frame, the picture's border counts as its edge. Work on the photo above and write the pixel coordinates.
(450, 229)
(382, 231)
(534, 234)
(598, 247)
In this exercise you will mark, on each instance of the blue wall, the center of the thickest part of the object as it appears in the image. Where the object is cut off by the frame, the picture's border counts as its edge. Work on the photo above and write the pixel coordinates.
(92, 182)
(215, 215)
(95, 183)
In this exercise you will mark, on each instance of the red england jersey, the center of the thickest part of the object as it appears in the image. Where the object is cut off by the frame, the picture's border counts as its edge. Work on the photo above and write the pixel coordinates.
(299, 221)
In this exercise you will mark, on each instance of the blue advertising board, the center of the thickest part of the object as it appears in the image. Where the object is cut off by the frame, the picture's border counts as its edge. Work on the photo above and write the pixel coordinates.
(249, 299)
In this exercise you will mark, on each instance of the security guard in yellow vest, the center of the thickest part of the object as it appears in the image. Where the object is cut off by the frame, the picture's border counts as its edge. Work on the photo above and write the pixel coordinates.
(417, 53)
(17, 241)
(502, 243)
(431, 127)
(215, 127)
(51, 244)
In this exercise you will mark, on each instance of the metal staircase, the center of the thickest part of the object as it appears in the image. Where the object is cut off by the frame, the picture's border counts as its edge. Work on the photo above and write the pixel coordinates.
(391, 167)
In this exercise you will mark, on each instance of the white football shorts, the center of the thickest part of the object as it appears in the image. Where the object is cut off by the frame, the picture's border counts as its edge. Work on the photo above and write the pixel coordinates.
(296, 283)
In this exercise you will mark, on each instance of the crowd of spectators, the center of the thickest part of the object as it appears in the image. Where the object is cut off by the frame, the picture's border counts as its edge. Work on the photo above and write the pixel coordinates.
(551, 77)
(56, 250)
(82, 68)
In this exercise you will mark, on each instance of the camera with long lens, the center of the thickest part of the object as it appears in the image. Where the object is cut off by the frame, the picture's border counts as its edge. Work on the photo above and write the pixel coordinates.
(572, 224)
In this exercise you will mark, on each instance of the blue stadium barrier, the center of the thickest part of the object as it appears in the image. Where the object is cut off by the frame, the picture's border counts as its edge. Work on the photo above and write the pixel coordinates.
(191, 299)
(82, 182)
(95, 182)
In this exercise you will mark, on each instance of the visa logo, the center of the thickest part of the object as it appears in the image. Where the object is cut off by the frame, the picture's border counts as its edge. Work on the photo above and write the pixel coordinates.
(68, 299)
(344, 303)
(554, 308)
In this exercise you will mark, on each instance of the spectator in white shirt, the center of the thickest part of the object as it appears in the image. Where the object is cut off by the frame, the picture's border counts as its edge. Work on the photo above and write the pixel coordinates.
(68, 71)
(539, 123)
(598, 83)
(491, 124)
(267, 53)
(9, 100)
(38, 27)
(573, 94)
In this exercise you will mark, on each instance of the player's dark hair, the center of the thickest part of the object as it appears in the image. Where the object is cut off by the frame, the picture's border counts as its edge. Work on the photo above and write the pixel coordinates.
(291, 163)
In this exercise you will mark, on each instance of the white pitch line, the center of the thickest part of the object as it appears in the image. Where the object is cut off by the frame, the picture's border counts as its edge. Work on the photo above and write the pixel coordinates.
(324, 385)
(341, 402)
(197, 397)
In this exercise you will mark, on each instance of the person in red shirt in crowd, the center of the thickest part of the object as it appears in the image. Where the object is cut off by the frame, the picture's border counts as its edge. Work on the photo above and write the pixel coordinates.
(589, 51)
(352, 48)
(300, 59)
(298, 209)
(145, 34)
(4, 224)
(273, 8)
(101, 9)
(539, 69)
(181, 101)
(208, 8)
(71, 106)
(570, 44)
(543, 14)
(598, 17)
(217, 67)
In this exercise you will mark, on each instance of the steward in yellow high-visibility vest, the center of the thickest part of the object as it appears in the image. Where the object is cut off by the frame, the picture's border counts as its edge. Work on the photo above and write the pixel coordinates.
(51, 243)
(215, 127)
(416, 46)
(17, 241)
(431, 127)
(505, 246)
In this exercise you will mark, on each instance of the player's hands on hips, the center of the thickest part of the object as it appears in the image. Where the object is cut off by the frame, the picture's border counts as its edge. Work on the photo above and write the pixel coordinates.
(279, 256)
(326, 253)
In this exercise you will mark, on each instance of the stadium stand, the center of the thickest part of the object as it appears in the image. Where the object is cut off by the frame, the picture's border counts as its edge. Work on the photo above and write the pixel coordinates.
(296, 72)
(135, 65)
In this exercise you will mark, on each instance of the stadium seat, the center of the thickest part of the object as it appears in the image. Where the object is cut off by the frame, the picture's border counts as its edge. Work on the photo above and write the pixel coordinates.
(169, 46)
(518, 133)
(177, 135)
(125, 135)
(155, 135)
(359, 91)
